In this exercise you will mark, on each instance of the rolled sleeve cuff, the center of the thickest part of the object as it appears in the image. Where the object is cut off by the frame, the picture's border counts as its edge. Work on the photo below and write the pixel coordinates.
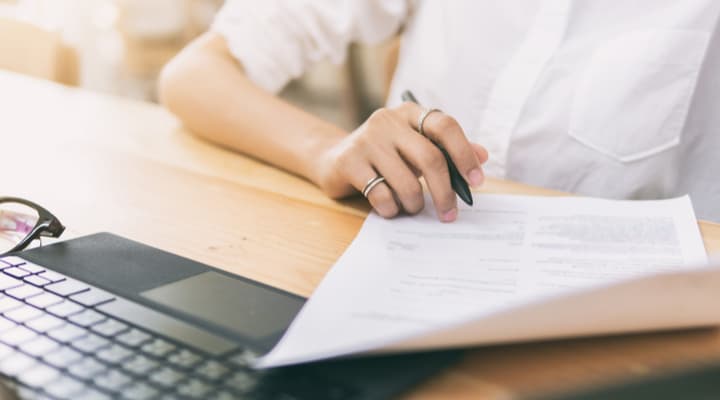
(256, 48)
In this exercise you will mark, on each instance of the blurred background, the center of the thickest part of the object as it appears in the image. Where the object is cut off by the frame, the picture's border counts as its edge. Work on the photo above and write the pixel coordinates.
(119, 47)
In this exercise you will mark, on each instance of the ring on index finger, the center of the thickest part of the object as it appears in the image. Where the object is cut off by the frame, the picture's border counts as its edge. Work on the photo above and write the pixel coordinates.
(423, 116)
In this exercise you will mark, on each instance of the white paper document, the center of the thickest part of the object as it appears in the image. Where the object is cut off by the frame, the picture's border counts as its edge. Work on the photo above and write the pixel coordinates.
(511, 268)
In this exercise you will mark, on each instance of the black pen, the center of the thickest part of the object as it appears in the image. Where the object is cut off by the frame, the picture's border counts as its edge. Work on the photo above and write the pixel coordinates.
(456, 179)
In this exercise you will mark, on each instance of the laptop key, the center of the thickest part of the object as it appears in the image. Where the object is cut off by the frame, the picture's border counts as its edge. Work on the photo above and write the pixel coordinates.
(6, 324)
(184, 359)
(112, 380)
(36, 280)
(66, 333)
(62, 357)
(86, 318)
(93, 297)
(44, 323)
(67, 287)
(24, 291)
(194, 389)
(7, 282)
(38, 376)
(133, 338)
(32, 268)
(44, 300)
(23, 313)
(167, 377)
(65, 388)
(16, 364)
(8, 303)
(64, 309)
(241, 381)
(140, 391)
(110, 327)
(24, 392)
(140, 365)
(113, 354)
(86, 369)
(5, 351)
(91, 394)
(17, 336)
(52, 276)
(16, 272)
(38, 346)
(13, 260)
(212, 370)
(90, 343)
(158, 347)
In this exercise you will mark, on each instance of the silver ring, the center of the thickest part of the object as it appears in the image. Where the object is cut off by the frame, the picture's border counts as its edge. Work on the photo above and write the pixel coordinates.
(421, 119)
(371, 184)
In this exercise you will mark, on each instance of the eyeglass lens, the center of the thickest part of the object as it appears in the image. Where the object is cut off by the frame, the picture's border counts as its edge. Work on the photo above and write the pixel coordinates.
(16, 222)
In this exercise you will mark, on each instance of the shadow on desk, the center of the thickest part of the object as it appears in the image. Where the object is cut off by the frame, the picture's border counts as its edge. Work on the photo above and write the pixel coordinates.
(700, 383)
(627, 366)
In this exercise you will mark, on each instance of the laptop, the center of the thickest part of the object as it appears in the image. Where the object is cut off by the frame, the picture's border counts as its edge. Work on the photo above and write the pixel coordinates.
(102, 317)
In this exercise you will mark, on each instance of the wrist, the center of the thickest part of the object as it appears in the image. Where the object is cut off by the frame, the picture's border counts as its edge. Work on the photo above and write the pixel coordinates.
(320, 162)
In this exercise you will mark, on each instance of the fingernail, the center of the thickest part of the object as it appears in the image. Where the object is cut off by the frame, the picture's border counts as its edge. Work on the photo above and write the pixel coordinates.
(476, 177)
(450, 216)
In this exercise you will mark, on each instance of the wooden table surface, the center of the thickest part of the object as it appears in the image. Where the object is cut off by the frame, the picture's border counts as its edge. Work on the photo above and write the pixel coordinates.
(102, 163)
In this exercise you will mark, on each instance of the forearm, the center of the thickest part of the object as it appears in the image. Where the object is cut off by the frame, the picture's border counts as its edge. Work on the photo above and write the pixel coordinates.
(206, 88)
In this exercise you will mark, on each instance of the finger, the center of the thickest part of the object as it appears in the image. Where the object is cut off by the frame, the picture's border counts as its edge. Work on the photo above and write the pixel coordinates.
(482, 156)
(381, 198)
(426, 157)
(480, 152)
(446, 131)
(402, 179)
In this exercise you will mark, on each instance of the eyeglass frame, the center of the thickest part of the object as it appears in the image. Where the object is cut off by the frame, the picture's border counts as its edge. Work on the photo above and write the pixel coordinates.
(47, 225)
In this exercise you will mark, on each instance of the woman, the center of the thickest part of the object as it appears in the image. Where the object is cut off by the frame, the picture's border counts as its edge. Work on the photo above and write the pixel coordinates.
(611, 98)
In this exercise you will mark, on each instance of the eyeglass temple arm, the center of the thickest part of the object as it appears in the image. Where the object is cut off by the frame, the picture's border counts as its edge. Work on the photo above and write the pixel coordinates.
(41, 229)
(52, 228)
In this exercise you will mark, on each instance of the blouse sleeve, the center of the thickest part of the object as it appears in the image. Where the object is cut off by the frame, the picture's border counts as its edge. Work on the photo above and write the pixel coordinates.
(276, 40)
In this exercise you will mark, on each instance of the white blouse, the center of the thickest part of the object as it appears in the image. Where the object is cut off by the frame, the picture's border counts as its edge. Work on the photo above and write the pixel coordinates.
(607, 98)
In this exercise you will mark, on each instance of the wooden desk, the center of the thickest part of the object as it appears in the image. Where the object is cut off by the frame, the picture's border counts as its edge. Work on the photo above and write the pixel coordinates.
(107, 164)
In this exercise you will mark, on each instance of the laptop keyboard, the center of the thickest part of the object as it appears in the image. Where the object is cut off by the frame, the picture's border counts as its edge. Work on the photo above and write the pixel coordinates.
(58, 341)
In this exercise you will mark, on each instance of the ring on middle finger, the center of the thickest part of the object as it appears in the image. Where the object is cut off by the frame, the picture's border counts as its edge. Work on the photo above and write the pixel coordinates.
(371, 183)
(423, 116)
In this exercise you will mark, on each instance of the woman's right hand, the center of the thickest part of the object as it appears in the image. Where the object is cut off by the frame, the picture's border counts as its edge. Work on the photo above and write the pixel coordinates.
(388, 144)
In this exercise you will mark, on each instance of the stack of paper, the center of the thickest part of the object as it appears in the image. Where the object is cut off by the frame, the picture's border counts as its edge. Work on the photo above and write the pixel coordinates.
(512, 268)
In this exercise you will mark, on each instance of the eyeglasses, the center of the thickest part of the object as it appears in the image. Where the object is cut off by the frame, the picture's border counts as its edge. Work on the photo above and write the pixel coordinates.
(22, 221)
